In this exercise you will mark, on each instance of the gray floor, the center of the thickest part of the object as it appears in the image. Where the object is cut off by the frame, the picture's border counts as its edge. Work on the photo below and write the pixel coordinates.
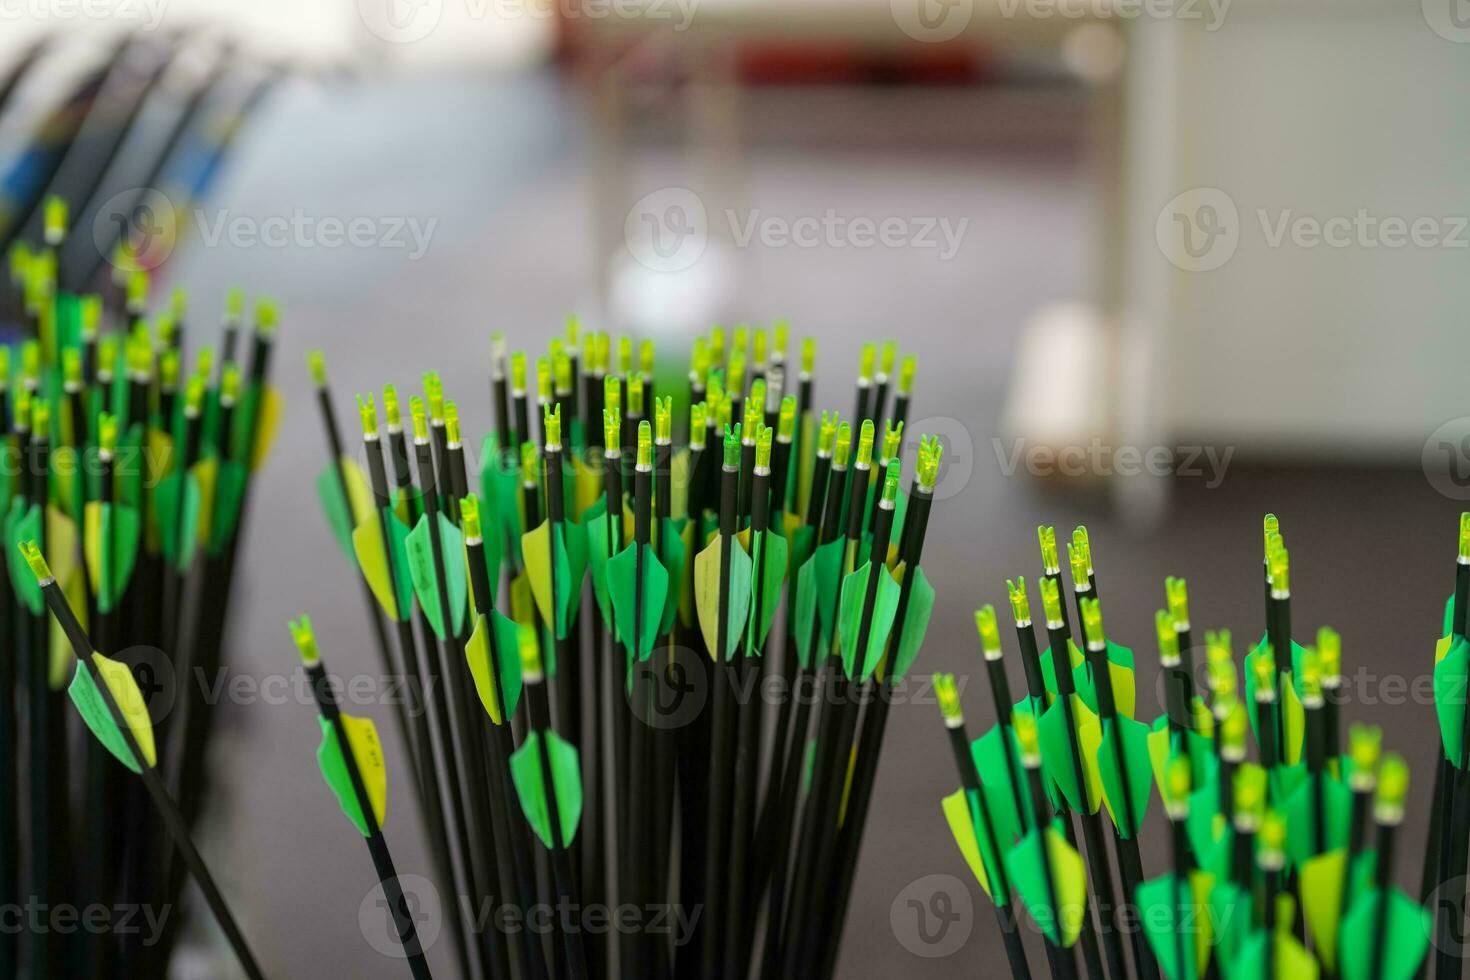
(500, 166)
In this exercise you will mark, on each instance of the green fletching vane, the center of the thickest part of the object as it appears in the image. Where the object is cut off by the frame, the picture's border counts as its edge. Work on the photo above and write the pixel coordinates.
(229, 494)
(1407, 931)
(396, 597)
(989, 753)
(915, 622)
(343, 515)
(500, 487)
(1323, 878)
(1120, 671)
(98, 718)
(800, 540)
(622, 589)
(574, 540)
(1173, 931)
(1449, 616)
(571, 564)
(1338, 807)
(367, 752)
(1056, 754)
(1028, 868)
(707, 594)
(1449, 695)
(599, 550)
(419, 547)
(1134, 782)
(769, 572)
(1293, 962)
(167, 498)
(504, 633)
(885, 606)
(1048, 674)
(193, 505)
(815, 587)
(23, 524)
(526, 772)
(671, 543)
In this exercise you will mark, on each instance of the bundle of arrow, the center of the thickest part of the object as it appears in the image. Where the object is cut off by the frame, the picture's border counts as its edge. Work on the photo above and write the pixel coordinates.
(1281, 867)
(123, 495)
(635, 735)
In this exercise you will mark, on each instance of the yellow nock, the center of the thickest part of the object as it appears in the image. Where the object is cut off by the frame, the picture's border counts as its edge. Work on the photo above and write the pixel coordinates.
(530, 653)
(267, 316)
(887, 359)
(808, 356)
(1024, 725)
(137, 291)
(1178, 595)
(755, 407)
(786, 419)
(518, 372)
(781, 331)
(469, 515)
(890, 483)
(989, 632)
(843, 446)
(663, 420)
(194, 395)
(865, 445)
(367, 410)
(551, 419)
(1393, 788)
(827, 434)
(949, 699)
(763, 448)
(1280, 572)
(390, 407)
(645, 445)
(451, 424)
(698, 418)
(1265, 670)
(866, 361)
(106, 432)
(1179, 782)
(574, 329)
(230, 384)
(1168, 639)
(761, 342)
(1465, 537)
(168, 369)
(906, 374)
(1020, 601)
(420, 419)
(1329, 652)
(1080, 580)
(41, 418)
(635, 396)
(1092, 624)
(530, 464)
(612, 431)
(625, 355)
(612, 394)
(1048, 538)
(235, 304)
(1272, 837)
(71, 367)
(56, 220)
(316, 362)
(646, 358)
(698, 362)
(1365, 745)
(543, 379)
(716, 346)
(32, 552)
(562, 364)
(930, 453)
(1051, 600)
(892, 439)
(305, 639)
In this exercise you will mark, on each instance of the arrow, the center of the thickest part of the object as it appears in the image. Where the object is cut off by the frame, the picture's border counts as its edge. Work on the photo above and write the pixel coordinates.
(114, 710)
(351, 761)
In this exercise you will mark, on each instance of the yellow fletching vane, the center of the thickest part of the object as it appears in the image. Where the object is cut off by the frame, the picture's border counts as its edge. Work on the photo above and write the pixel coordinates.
(1089, 740)
(477, 652)
(206, 475)
(372, 558)
(61, 544)
(522, 607)
(268, 422)
(587, 483)
(536, 548)
(63, 659)
(957, 815)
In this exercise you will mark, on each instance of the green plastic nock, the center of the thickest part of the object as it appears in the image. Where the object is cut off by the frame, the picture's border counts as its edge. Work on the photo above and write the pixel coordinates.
(755, 407)
(786, 419)
(1168, 639)
(890, 483)
(305, 640)
(518, 373)
(71, 368)
(316, 363)
(763, 448)
(645, 446)
(989, 632)
(420, 419)
(194, 396)
(561, 366)
(1092, 625)
(663, 420)
(761, 345)
(808, 356)
(842, 448)
(780, 338)
(229, 388)
(732, 447)
(1465, 537)
(1023, 723)
(906, 374)
(1081, 578)
(434, 395)
(267, 316)
(367, 411)
(107, 433)
(866, 362)
(469, 515)
(1020, 601)
(40, 418)
(32, 554)
(1179, 779)
(452, 436)
(827, 434)
(892, 440)
(235, 304)
(530, 464)
(1264, 666)
(612, 431)
(1271, 854)
(1280, 573)
(635, 396)
(1393, 788)
(647, 357)
(56, 220)
(1051, 601)
(1365, 747)
(949, 700)
(168, 369)
(887, 358)
(699, 362)
(1047, 536)
(1329, 650)
(865, 445)
(625, 355)
(530, 654)
(1177, 594)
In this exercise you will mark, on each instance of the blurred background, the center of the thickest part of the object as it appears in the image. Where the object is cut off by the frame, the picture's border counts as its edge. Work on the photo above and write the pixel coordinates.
(1166, 265)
